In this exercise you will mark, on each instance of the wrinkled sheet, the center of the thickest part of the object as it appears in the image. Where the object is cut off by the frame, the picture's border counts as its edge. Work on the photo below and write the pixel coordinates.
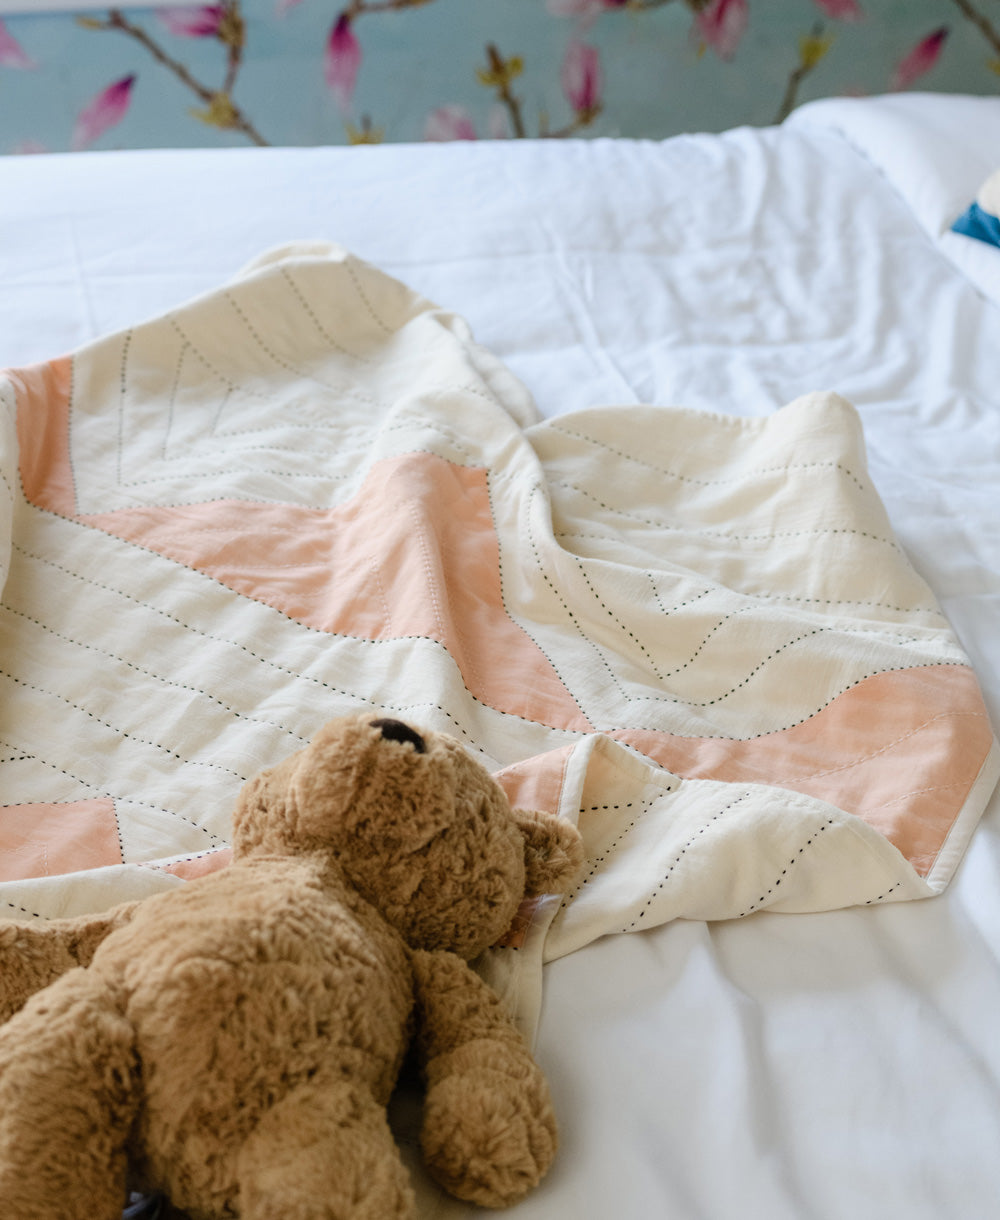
(783, 1066)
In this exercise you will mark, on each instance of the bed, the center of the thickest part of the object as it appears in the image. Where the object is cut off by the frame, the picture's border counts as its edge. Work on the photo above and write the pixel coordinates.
(665, 475)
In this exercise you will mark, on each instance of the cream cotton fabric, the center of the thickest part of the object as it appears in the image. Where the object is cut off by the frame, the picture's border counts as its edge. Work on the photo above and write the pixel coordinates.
(311, 490)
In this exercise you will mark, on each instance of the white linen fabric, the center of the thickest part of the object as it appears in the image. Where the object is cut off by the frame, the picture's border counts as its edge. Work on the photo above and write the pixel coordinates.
(825, 1065)
(935, 151)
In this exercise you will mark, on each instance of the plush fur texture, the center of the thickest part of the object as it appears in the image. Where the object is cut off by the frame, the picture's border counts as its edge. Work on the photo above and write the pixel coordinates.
(234, 1042)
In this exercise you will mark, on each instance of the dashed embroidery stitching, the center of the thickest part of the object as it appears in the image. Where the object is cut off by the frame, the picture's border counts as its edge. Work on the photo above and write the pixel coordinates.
(131, 800)
(755, 906)
(594, 863)
(729, 535)
(682, 853)
(696, 482)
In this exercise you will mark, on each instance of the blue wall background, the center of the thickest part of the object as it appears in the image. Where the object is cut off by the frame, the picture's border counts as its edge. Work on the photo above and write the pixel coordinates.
(308, 72)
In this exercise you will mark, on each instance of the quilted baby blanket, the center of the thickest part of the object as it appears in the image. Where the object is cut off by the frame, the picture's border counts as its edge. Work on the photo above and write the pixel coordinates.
(311, 491)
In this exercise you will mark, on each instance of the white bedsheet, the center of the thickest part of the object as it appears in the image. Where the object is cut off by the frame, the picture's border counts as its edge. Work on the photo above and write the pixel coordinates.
(788, 1067)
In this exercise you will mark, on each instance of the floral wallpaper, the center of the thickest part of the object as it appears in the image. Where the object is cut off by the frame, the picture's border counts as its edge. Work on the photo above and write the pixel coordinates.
(362, 71)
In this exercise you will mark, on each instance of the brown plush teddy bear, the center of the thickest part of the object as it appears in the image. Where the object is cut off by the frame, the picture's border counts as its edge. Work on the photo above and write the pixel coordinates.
(233, 1043)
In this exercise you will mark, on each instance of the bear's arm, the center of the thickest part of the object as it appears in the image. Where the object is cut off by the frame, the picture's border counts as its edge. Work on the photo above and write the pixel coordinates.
(32, 955)
(489, 1132)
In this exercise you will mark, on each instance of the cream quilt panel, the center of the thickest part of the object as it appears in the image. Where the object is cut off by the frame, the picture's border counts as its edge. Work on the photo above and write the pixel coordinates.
(311, 491)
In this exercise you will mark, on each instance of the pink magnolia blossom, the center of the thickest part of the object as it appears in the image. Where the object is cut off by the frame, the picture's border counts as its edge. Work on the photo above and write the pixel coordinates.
(921, 59)
(580, 76)
(498, 123)
(449, 123)
(721, 24)
(104, 111)
(841, 10)
(12, 54)
(585, 9)
(343, 58)
(194, 22)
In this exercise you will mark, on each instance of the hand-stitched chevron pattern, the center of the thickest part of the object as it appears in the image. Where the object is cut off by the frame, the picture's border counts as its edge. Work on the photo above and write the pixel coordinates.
(312, 491)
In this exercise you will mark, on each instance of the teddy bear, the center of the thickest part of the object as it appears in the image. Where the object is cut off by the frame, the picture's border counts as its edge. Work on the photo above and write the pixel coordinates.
(233, 1042)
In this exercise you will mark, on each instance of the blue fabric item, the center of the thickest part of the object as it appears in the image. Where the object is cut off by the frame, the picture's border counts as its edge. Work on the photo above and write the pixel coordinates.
(143, 1207)
(974, 222)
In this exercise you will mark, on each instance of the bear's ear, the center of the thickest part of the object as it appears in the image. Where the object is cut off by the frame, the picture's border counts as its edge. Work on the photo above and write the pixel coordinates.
(553, 852)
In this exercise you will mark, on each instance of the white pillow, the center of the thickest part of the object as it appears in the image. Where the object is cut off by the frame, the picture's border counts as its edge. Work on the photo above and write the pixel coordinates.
(981, 219)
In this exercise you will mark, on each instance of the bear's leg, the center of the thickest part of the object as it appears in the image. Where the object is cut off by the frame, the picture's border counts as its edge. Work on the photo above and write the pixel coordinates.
(324, 1152)
(68, 1096)
(489, 1133)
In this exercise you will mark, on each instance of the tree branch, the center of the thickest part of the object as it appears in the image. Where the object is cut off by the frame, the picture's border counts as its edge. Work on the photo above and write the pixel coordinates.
(236, 119)
(982, 24)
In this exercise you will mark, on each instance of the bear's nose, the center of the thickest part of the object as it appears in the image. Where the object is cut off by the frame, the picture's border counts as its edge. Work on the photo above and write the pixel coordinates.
(396, 730)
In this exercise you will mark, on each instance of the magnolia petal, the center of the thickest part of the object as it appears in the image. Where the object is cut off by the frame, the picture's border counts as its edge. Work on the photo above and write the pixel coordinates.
(12, 54)
(580, 76)
(449, 123)
(841, 10)
(342, 61)
(104, 111)
(722, 24)
(194, 22)
(920, 60)
(498, 123)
